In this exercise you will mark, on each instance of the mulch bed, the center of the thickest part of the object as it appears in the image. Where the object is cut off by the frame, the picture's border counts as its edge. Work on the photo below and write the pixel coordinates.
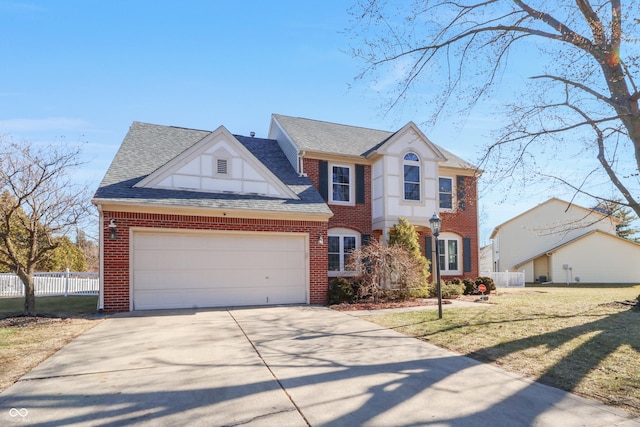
(26, 321)
(385, 304)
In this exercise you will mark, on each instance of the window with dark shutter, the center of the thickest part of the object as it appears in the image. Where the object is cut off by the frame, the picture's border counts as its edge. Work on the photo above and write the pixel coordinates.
(461, 190)
(360, 184)
(323, 175)
(466, 254)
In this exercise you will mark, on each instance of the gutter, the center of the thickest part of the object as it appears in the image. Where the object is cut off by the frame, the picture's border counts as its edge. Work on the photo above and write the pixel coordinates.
(101, 257)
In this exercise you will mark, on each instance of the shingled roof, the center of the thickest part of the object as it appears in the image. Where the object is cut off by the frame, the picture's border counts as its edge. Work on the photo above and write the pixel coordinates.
(333, 138)
(148, 147)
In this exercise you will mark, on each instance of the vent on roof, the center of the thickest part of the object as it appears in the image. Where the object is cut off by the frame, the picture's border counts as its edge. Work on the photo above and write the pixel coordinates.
(222, 166)
(252, 134)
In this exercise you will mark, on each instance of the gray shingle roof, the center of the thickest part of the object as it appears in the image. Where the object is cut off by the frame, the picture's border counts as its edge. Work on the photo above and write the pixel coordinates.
(325, 137)
(333, 138)
(147, 147)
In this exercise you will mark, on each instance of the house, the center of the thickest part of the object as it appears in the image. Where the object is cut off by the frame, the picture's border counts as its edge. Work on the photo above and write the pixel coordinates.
(561, 242)
(193, 218)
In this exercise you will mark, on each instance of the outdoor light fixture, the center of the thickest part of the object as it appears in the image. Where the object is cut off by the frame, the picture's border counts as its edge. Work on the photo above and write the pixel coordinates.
(435, 222)
(320, 240)
(112, 229)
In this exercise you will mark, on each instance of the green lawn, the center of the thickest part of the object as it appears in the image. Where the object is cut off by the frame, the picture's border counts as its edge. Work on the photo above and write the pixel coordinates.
(576, 338)
(60, 306)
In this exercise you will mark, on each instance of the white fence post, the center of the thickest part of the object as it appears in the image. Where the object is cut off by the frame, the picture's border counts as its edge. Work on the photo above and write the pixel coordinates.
(506, 279)
(66, 284)
(62, 283)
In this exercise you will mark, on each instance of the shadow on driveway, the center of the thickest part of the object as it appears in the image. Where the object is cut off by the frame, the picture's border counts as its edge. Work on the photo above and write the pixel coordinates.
(278, 366)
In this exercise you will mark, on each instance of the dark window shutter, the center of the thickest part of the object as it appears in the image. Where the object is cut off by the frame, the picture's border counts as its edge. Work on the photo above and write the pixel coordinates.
(428, 249)
(365, 239)
(360, 184)
(466, 254)
(324, 179)
(461, 189)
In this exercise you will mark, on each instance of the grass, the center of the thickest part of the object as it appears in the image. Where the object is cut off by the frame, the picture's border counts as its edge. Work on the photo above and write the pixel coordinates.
(73, 306)
(579, 339)
(25, 342)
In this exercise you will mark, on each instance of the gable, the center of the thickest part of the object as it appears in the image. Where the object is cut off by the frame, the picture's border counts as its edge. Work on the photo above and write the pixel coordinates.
(411, 138)
(556, 216)
(582, 247)
(218, 163)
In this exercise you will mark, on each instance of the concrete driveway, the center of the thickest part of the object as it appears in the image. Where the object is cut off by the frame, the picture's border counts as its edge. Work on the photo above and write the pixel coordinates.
(278, 366)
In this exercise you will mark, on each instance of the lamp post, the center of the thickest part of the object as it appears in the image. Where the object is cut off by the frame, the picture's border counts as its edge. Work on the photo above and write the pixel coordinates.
(435, 222)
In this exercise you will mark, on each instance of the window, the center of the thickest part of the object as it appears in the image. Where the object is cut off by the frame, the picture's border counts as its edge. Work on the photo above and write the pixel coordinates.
(341, 184)
(341, 243)
(411, 166)
(445, 190)
(449, 251)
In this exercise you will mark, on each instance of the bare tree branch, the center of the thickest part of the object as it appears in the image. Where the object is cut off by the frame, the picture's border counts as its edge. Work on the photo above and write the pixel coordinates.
(38, 202)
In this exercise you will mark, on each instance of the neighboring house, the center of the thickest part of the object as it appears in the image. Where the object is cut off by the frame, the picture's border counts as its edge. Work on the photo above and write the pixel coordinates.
(193, 218)
(560, 242)
(486, 259)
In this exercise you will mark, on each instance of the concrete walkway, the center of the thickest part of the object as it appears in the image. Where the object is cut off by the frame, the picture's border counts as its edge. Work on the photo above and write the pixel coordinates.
(278, 366)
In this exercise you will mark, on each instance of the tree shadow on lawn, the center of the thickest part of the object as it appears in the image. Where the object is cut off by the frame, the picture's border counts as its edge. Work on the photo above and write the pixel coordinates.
(606, 336)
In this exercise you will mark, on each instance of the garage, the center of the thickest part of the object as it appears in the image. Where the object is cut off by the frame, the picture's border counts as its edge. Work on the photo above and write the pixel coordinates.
(178, 269)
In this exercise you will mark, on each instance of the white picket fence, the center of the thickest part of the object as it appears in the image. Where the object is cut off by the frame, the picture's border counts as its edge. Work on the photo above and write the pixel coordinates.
(50, 284)
(506, 279)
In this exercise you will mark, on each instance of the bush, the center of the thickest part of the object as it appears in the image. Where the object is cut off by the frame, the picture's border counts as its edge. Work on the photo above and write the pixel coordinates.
(452, 289)
(386, 271)
(470, 287)
(340, 290)
(421, 292)
(488, 282)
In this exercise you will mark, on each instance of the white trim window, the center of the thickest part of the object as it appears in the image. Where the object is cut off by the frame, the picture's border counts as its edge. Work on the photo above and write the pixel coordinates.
(342, 242)
(342, 184)
(411, 170)
(450, 249)
(445, 192)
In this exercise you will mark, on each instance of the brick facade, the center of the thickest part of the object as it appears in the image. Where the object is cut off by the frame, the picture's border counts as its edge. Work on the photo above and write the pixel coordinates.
(356, 217)
(116, 251)
(463, 222)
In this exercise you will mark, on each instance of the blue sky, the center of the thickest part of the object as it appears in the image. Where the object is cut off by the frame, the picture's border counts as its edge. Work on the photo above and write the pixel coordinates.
(82, 71)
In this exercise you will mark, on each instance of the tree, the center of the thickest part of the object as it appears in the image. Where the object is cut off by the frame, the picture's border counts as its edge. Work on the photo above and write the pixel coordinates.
(580, 102)
(625, 229)
(39, 205)
(66, 255)
(625, 216)
(380, 266)
(405, 234)
(90, 250)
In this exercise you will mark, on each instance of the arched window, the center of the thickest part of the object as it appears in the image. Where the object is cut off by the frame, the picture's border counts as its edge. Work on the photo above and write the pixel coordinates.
(411, 168)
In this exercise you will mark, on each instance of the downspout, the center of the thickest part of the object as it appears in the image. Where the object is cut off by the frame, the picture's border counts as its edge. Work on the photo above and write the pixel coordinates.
(301, 163)
(101, 258)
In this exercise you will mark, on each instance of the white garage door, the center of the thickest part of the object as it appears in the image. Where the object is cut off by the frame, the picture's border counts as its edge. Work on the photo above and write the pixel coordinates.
(184, 270)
